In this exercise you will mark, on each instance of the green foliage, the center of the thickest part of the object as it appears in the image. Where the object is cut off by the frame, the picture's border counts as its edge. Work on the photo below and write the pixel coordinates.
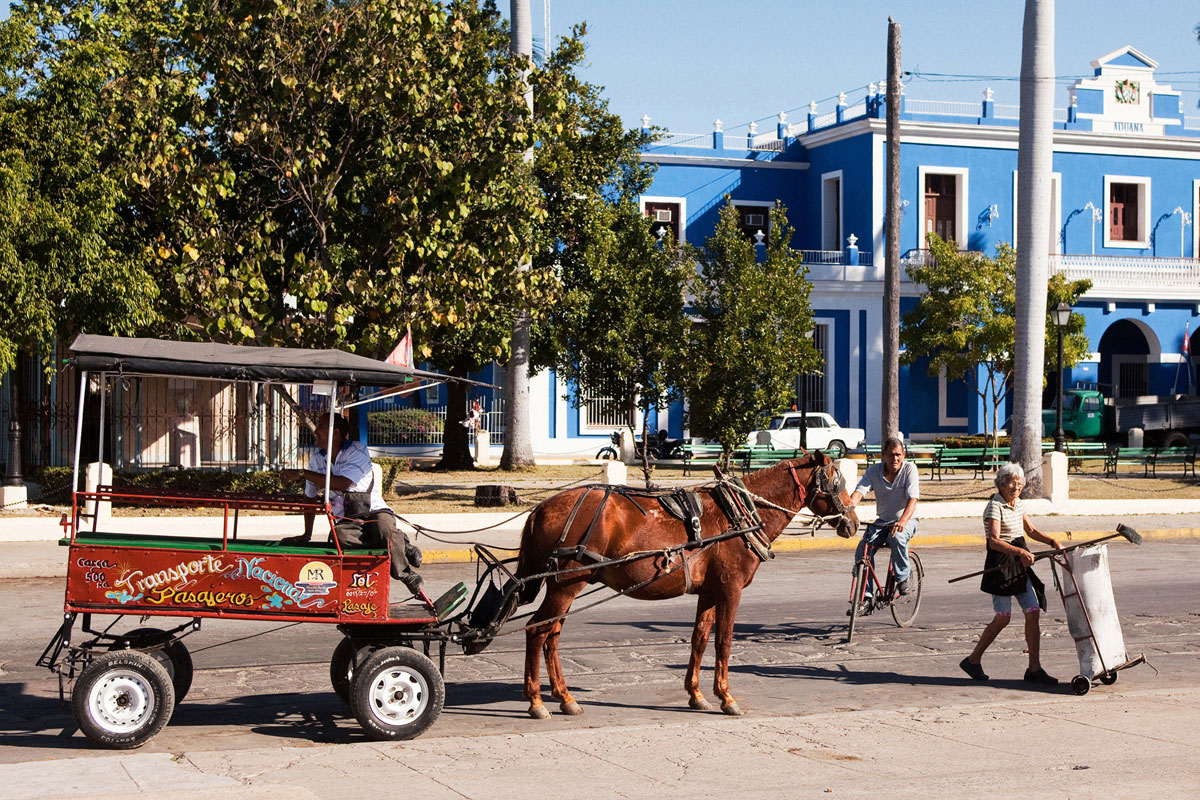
(751, 344)
(965, 320)
(974, 440)
(415, 421)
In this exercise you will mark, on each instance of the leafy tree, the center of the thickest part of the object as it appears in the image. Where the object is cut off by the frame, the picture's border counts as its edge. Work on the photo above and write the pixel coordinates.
(66, 265)
(622, 330)
(965, 320)
(751, 340)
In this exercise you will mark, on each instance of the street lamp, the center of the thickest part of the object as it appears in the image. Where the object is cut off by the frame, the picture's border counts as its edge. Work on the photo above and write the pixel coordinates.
(804, 401)
(1061, 314)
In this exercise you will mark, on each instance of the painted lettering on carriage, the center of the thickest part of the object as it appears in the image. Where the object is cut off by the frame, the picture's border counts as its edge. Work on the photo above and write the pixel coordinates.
(362, 580)
(137, 582)
(96, 563)
(202, 597)
(274, 583)
(98, 579)
(123, 597)
(365, 609)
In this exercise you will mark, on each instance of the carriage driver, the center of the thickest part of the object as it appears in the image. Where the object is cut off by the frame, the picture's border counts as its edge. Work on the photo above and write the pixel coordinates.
(372, 525)
(897, 489)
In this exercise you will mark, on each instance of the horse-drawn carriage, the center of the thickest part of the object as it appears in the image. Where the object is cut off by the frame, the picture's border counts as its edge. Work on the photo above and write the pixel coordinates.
(124, 684)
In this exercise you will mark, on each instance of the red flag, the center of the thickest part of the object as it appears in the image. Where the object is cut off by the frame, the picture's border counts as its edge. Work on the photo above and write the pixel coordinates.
(402, 356)
(1187, 344)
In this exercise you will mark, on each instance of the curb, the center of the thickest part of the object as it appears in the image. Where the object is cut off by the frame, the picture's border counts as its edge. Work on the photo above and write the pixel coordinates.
(793, 544)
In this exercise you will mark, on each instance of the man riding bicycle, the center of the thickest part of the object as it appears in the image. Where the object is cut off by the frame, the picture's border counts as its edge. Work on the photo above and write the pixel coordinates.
(897, 488)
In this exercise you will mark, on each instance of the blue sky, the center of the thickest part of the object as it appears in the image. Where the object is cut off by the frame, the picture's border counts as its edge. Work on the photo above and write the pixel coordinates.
(687, 62)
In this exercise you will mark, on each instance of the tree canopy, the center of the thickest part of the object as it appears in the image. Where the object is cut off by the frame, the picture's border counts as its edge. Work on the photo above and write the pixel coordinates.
(752, 338)
(965, 320)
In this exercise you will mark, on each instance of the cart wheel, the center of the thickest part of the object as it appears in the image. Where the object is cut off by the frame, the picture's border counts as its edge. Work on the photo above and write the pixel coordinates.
(1109, 678)
(173, 656)
(122, 699)
(341, 666)
(397, 693)
(1080, 685)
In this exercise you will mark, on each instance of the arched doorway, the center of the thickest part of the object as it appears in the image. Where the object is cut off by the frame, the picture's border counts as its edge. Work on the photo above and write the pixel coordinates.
(1128, 351)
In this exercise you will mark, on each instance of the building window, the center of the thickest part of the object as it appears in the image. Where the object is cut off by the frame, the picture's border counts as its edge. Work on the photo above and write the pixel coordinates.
(607, 408)
(1133, 378)
(754, 218)
(943, 204)
(831, 211)
(666, 215)
(1128, 222)
(941, 200)
(811, 387)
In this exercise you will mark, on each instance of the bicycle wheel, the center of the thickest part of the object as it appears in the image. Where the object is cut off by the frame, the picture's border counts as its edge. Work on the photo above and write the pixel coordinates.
(905, 607)
(856, 595)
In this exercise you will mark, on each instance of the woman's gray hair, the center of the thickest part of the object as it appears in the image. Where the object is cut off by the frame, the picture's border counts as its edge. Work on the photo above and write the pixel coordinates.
(1007, 471)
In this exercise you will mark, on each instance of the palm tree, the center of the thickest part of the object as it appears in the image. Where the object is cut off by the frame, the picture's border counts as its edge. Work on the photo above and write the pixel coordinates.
(518, 450)
(1034, 163)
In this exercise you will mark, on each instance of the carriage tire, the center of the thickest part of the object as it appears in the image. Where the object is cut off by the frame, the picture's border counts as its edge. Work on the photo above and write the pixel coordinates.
(122, 699)
(1080, 684)
(173, 655)
(1108, 678)
(905, 607)
(856, 594)
(396, 694)
(836, 449)
(342, 664)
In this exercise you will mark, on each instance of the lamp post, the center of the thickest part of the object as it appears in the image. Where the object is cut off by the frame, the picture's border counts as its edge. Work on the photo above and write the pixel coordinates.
(804, 401)
(1061, 315)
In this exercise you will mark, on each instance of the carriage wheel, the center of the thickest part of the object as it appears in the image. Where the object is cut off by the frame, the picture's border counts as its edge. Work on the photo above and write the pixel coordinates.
(905, 607)
(397, 693)
(341, 666)
(1080, 684)
(122, 699)
(857, 587)
(1109, 678)
(172, 654)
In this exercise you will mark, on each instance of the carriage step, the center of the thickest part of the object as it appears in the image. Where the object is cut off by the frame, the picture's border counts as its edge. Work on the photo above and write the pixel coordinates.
(449, 601)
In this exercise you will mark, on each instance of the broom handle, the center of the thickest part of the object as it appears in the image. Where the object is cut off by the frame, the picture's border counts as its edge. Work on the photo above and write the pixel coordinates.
(1041, 555)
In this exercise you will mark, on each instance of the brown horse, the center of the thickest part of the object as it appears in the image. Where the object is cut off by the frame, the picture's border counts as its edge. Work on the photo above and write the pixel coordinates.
(612, 527)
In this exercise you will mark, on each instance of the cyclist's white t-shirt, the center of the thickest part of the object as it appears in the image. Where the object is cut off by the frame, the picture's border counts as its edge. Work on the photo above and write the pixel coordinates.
(891, 496)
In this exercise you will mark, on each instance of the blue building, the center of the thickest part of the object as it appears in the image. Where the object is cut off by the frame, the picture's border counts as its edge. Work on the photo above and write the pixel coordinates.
(1125, 193)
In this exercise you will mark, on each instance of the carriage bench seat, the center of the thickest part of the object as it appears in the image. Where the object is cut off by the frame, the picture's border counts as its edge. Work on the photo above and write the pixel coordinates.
(212, 544)
(187, 498)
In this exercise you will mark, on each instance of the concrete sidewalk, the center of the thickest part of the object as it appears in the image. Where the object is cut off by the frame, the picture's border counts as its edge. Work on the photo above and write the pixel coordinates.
(1109, 744)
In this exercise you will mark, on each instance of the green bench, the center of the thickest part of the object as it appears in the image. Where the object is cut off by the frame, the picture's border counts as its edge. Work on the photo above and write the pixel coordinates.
(1183, 456)
(761, 456)
(1128, 457)
(1080, 454)
(930, 456)
(980, 460)
(700, 455)
(211, 544)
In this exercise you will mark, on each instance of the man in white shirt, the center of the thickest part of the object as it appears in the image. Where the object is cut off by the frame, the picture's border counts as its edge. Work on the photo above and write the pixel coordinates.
(896, 486)
(369, 522)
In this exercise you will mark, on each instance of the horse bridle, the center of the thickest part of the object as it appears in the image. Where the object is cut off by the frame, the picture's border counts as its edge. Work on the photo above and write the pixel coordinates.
(825, 487)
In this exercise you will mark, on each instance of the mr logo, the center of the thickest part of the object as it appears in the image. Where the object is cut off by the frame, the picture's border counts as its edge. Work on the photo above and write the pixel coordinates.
(316, 577)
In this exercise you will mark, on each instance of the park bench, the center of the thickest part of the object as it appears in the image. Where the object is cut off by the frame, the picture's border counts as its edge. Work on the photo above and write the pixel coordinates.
(927, 455)
(980, 460)
(1128, 457)
(1183, 456)
(700, 455)
(761, 456)
(1080, 454)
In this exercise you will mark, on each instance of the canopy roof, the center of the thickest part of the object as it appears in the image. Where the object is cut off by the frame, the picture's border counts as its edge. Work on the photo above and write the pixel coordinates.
(240, 362)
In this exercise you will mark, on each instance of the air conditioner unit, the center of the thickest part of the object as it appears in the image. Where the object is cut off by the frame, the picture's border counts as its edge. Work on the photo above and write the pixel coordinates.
(755, 220)
(662, 215)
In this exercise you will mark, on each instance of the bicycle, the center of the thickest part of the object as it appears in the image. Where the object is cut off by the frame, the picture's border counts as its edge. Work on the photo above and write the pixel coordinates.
(904, 607)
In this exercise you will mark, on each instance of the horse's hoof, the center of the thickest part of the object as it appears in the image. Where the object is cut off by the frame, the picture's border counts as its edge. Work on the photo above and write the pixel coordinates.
(700, 704)
(572, 708)
(732, 709)
(539, 712)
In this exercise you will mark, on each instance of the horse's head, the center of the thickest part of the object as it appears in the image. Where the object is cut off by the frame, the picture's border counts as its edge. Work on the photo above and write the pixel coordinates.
(825, 493)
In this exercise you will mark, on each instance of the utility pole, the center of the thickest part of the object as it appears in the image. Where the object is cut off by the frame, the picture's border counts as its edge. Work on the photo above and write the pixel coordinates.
(890, 423)
(1035, 153)
(518, 450)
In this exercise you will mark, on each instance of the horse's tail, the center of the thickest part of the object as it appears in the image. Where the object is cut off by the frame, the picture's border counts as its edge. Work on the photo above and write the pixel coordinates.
(527, 563)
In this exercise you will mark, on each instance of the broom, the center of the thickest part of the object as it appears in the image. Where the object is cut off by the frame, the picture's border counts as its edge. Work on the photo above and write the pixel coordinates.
(1123, 532)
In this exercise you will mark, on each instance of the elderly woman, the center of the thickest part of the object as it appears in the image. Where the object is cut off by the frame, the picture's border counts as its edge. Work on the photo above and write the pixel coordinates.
(1009, 573)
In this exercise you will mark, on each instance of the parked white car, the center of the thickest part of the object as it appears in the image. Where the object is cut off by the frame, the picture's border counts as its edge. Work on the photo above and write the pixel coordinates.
(824, 433)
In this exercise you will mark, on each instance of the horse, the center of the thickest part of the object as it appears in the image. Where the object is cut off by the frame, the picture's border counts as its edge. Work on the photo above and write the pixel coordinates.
(593, 525)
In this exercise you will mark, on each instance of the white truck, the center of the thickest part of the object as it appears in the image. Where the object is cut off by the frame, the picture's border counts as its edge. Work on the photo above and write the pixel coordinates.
(824, 433)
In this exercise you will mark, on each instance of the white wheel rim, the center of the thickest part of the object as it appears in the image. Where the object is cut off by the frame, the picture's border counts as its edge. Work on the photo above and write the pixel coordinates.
(399, 696)
(121, 702)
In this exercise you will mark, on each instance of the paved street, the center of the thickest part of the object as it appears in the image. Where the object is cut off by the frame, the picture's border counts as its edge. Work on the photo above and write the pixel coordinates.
(254, 699)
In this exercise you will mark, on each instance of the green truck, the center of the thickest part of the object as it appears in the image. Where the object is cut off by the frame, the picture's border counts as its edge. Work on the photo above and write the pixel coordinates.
(1166, 420)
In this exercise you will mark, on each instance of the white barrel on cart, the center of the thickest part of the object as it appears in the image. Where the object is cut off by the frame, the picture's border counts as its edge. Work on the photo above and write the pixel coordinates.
(1100, 645)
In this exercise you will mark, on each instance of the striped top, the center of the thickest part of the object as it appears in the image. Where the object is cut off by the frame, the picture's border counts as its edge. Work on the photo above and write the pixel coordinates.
(1010, 516)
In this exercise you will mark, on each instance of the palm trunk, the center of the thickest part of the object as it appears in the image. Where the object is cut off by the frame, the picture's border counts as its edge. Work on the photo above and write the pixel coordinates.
(1034, 164)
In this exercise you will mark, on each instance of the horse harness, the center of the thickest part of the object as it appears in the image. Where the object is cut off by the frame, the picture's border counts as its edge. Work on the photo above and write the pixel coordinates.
(729, 493)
